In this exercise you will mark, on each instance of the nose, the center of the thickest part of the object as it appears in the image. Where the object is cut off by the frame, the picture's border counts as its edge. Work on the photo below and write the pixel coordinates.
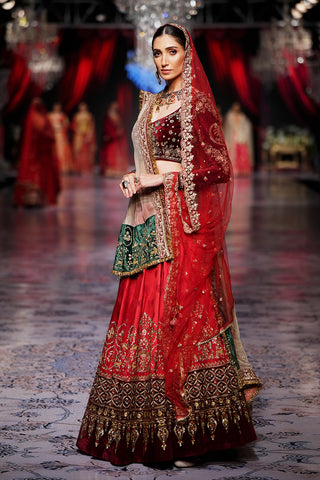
(164, 60)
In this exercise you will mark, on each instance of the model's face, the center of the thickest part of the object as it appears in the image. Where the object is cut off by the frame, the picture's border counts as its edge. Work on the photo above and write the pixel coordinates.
(168, 55)
(236, 107)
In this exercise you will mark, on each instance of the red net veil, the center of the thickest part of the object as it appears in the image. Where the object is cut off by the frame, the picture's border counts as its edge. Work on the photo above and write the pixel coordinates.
(198, 299)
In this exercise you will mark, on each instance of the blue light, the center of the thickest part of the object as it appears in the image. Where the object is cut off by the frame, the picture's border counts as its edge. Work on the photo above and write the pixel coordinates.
(165, 15)
(143, 78)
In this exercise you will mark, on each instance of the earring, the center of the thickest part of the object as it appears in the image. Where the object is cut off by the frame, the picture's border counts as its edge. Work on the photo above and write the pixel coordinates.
(158, 77)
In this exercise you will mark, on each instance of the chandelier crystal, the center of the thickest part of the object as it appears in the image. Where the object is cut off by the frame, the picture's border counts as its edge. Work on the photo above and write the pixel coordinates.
(37, 41)
(285, 43)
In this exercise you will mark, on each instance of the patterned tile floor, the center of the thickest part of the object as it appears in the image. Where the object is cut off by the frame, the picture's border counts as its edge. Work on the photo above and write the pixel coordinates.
(57, 293)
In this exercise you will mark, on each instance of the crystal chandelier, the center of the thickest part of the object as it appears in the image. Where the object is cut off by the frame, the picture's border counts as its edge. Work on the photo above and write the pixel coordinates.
(285, 43)
(147, 16)
(37, 41)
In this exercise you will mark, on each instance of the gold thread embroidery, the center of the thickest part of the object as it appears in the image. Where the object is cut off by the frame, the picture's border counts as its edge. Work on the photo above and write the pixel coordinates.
(116, 413)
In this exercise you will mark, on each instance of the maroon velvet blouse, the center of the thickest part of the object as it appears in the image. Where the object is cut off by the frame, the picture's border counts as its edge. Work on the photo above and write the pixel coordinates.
(166, 136)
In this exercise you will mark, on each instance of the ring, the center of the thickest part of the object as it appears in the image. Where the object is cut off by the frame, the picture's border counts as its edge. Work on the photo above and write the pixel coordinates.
(136, 180)
(125, 184)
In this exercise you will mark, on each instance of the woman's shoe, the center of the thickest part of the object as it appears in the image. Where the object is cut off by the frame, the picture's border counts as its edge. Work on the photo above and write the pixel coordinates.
(184, 464)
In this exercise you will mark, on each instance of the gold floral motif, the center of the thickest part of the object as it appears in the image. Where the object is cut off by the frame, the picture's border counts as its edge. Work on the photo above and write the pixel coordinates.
(99, 432)
(225, 422)
(192, 429)
(114, 435)
(212, 426)
(134, 436)
(179, 431)
(163, 434)
(131, 353)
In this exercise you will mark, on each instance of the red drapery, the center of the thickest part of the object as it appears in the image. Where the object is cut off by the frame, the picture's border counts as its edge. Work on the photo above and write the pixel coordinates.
(90, 65)
(293, 87)
(231, 66)
(20, 84)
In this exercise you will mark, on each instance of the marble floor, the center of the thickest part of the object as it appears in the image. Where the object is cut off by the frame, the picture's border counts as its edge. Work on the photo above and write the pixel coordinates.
(56, 296)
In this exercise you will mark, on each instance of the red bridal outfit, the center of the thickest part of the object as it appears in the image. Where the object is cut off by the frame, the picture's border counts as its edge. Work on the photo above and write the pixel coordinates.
(38, 180)
(60, 125)
(114, 153)
(238, 135)
(84, 140)
(173, 379)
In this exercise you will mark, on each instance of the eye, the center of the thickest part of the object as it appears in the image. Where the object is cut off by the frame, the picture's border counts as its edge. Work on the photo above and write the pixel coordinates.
(156, 53)
(173, 51)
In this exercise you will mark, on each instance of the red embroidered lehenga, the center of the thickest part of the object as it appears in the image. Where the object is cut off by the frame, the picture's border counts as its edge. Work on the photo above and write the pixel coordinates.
(173, 379)
(38, 181)
(238, 135)
(114, 153)
(84, 143)
(60, 125)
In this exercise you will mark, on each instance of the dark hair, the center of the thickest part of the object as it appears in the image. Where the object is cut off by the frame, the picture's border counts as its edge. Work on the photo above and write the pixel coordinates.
(172, 30)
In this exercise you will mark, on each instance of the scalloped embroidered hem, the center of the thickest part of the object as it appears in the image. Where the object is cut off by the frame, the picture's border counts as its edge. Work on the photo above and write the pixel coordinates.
(145, 435)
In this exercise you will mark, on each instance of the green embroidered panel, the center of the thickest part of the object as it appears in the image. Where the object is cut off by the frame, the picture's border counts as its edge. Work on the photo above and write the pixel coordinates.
(136, 249)
(232, 347)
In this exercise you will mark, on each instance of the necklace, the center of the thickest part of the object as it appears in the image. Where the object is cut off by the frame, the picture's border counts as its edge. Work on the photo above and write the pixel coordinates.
(167, 99)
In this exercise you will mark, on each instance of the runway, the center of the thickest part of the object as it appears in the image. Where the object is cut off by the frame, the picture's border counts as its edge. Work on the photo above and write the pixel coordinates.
(57, 294)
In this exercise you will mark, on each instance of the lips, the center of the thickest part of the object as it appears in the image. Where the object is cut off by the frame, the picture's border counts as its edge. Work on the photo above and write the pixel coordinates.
(165, 71)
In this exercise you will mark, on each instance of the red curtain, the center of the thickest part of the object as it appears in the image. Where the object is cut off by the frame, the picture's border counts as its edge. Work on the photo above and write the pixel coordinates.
(20, 84)
(90, 65)
(293, 87)
(231, 66)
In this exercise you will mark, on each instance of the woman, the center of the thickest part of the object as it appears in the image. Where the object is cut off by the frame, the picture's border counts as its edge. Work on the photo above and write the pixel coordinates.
(238, 135)
(84, 139)
(60, 125)
(38, 182)
(173, 379)
(114, 154)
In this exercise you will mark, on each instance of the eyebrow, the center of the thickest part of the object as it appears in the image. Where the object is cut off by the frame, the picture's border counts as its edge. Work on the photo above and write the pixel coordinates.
(167, 48)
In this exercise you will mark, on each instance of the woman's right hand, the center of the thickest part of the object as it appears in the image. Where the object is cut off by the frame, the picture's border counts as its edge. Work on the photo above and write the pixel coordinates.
(131, 188)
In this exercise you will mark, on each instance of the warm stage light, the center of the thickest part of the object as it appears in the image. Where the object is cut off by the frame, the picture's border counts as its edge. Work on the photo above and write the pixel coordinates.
(101, 17)
(301, 7)
(8, 5)
(296, 14)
